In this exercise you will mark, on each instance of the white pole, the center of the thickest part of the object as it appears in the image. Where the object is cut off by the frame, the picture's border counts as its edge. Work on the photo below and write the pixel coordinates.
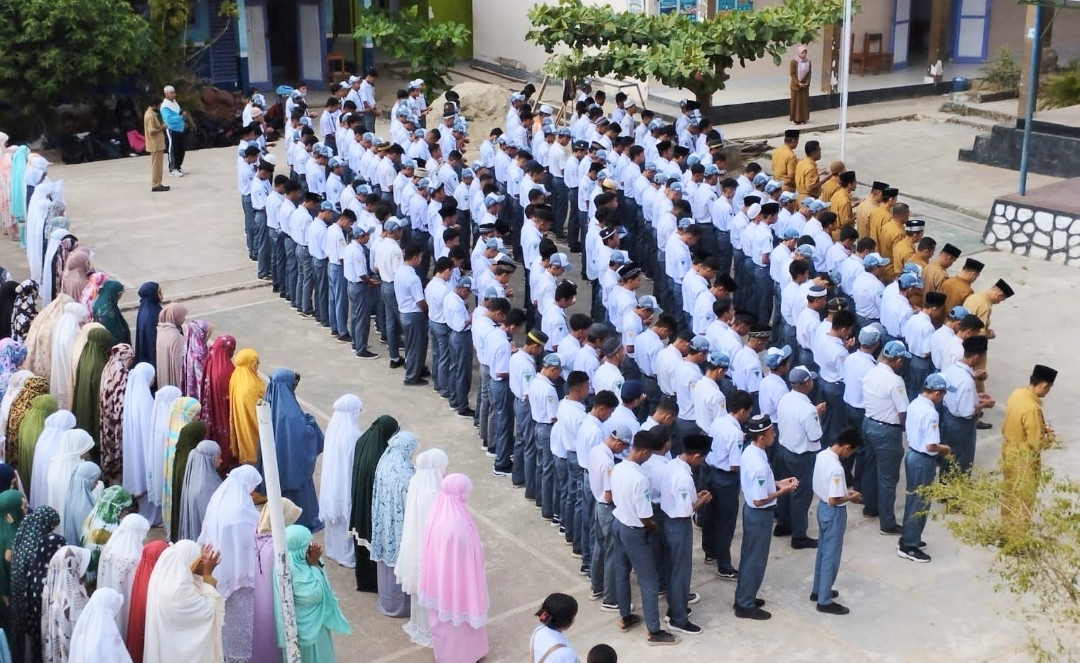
(845, 66)
(272, 481)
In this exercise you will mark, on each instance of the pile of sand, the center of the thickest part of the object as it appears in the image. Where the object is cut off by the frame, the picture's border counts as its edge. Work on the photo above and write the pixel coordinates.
(482, 104)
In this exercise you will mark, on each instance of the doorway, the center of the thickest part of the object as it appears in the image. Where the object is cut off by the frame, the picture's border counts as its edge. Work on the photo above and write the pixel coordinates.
(281, 21)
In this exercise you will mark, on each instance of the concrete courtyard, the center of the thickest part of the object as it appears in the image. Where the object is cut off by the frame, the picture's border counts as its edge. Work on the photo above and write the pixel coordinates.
(190, 240)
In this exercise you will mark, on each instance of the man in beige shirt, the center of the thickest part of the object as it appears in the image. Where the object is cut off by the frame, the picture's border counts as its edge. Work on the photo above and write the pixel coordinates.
(154, 132)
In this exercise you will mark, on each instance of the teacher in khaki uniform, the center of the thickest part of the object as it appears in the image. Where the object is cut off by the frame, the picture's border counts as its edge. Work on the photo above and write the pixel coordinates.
(784, 160)
(979, 304)
(154, 132)
(807, 175)
(1024, 436)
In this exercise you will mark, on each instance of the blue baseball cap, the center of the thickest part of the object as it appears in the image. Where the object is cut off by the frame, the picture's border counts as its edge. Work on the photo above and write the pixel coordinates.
(958, 312)
(711, 170)
(875, 260)
(776, 356)
(936, 382)
(894, 349)
(761, 179)
(817, 205)
(869, 335)
(909, 280)
(685, 223)
(392, 224)
(718, 357)
(552, 359)
(559, 260)
(793, 233)
(699, 344)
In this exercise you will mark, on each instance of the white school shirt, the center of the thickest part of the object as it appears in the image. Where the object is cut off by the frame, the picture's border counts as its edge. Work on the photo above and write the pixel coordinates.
(316, 233)
(284, 216)
(632, 326)
(273, 207)
(756, 477)
(895, 311)
(586, 360)
(245, 172)
(940, 341)
(709, 402)
(601, 464)
(667, 360)
(456, 312)
(829, 479)
(408, 289)
(918, 330)
(334, 244)
(676, 258)
(829, 355)
(677, 490)
(685, 378)
(773, 387)
(315, 177)
(779, 260)
(727, 440)
(867, 291)
(298, 223)
(746, 370)
(631, 494)
(807, 322)
(497, 347)
(702, 315)
(260, 191)
(435, 294)
(607, 377)
(722, 337)
(482, 325)
(789, 296)
(856, 366)
(621, 303)
(962, 398)
(647, 346)
(553, 323)
(653, 469)
(589, 434)
(722, 214)
(797, 423)
(568, 418)
(569, 347)
(334, 186)
(543, 400)
(387, 257)
(921, 425)
(354, 263)
(693, 284)
(884, 394)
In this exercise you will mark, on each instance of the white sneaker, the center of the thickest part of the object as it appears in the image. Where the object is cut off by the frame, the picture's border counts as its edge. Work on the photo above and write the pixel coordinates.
(176, 173)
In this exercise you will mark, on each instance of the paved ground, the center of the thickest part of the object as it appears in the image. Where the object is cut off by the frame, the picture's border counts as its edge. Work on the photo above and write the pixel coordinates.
(190, 240)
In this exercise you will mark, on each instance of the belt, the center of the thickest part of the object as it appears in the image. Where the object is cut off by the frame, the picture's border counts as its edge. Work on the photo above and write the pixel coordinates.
(956, 416)
(645, 376)
(921, 453)
(762, 508)
(717, 469)
(882, 422)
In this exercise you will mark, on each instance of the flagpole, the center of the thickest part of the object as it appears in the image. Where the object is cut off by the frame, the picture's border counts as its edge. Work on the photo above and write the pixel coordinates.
(845, 67)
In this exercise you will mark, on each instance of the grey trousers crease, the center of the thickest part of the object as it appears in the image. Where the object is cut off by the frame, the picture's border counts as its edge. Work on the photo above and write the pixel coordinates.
(959, 434)
(632, 551)
(679, 540)
(304, 283)
(885, 452)
(339, 299)
(261, 244)
(832, 522)
(361, 304)
(793, 508)
(440, 357)
(320, 290)
(919, 469)
(545, 470)
(754, 556)
(415, 334)
(524, 472)
(602, 571)
(459, 374)
(392, 321)
(719, 516)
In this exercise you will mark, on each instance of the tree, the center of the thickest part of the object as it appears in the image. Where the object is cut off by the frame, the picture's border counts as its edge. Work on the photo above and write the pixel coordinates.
(427, 49)
(671, 48)
(173, 54)
(1036, 550)
(52, 51)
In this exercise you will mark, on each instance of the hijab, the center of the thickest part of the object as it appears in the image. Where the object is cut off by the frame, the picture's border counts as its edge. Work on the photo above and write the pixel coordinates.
(25, 309)
(7, 306)
(106, 310)
(289, 511)
(245, 390)
(97, 636)
(32, 388)
(196, 352)
(119, 559)
(11, 514)
(229, 525)
(35, 544)
(33, 424)
(63, 340)
(79, 346)
(77, 271)
(114, 380)
(79, 500)
(315, 606)
(201, 480)
(146, 322)
(99, 526)
(184, 411)
(297, 437)
(452, 581)
(37, 214)
(159, 438)
(392, 476)
(184, 615)
(14, 386)
(136, 615)
(12, 356)
(369, 449)
(67, 244)
(48, 444)
(63, 600)
(52, 251)
(136, 426)
(802, 63)
(39, 339)
(170, 345)
(335, 499)
(9, 479)
(68, 456)
(86, 401)
(191, 435)
(423, 489)
(90, 291)
(215, 396)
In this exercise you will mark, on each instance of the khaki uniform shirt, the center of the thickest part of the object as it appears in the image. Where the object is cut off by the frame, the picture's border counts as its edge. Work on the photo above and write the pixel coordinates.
(807, 180)
(956, 291)
(153, 131)
(783, 166)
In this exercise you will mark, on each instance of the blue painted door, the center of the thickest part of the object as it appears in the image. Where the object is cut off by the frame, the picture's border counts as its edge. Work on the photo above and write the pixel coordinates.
(971, 30)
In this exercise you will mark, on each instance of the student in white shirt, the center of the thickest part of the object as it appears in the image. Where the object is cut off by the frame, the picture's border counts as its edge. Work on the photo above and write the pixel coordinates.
(413, 308)
(589, 434)
(568, 417)
(548, 644)
(720, 476)
(679, 500)
(709, 401)
(885, 400)
(962, 403)
(830, 486)
(543, 403)
(601, 466)
(435, 295)
(522, 372)
(799, 431)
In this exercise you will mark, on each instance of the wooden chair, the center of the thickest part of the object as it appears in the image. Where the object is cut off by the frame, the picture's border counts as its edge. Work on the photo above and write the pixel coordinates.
(874, 54)
(335, 67)
(856, 56)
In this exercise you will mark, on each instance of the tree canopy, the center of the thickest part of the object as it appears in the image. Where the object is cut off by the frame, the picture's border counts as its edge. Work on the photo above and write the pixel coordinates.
(679, 52)
(55, 50)
(427, 48)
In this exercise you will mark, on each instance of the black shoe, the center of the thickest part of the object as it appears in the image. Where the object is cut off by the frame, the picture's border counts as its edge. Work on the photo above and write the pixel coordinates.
(983, 425)
(891, 531)
(759, 603)
(466, 413)
(913, 554)
(397, 363)
(159, 188)
(803, 543)
(666, 637)
(345, 339)
(813, 595)
(728, 574)
(689, 628)
(753, 613)
(367, 354)
(333, 335)
(499, 473)
(869, 514)
(628, 622)
(780, 530)
(710, 560)
(425, 372)
(691, 599)
(418, 382)
(833, 609)
(584, 570)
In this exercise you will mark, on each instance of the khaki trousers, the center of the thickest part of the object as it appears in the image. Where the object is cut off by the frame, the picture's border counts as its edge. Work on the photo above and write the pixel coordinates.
(157, 167)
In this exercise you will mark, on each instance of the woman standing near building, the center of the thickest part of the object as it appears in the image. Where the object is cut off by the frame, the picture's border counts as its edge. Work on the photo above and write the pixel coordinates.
(800, 86)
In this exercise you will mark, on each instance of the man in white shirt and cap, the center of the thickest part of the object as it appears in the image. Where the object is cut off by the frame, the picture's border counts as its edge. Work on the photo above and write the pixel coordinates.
(830, 486)
(800, 440)
(885, 399)
(679, 501)
(720, 476)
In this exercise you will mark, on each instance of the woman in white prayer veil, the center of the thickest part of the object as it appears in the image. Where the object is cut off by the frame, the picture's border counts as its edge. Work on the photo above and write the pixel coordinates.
(424, 486)
(73, 445)
(155, 452)
(37, 213)
(229, 526)
(335, 488)
(184, 613)
(118, 562)
(63, 342)
(96, 638)
(62, 601)
(56, 425)
(137, 425)
(59, 229)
